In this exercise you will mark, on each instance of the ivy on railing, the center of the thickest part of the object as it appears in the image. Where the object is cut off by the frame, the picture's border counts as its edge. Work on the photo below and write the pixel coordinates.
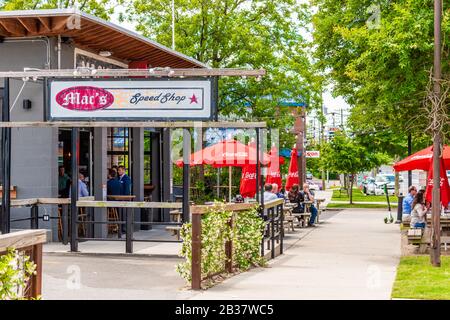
(16, 270)
(245, 233)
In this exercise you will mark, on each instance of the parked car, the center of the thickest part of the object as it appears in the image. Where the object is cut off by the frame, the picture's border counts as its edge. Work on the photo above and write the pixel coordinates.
(365, 184)
(313, 186)
(309, 176)
(377, 187)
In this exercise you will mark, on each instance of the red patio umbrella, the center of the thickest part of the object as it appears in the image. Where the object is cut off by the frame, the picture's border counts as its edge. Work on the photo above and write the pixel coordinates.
(421, 160)
(445, 188)
(293, 171)
(273, 174)
(227, 153)
(248, 181)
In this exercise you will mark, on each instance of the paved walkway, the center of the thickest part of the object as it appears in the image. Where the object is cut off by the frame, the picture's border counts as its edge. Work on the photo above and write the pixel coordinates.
(352, 255)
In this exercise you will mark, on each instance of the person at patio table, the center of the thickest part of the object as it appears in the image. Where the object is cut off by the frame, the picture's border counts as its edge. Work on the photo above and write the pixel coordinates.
(125, 182)
(275, 191)
(295, 196)
(308, 195)
(268, 193)
(82, 187)
(407, 203)
(419, 211)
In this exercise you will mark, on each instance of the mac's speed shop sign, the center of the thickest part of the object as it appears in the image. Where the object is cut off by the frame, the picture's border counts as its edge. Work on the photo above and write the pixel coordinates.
(117, 100)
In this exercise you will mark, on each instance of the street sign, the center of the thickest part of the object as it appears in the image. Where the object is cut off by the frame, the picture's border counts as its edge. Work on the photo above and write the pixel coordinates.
(111, 99)
(312, 154)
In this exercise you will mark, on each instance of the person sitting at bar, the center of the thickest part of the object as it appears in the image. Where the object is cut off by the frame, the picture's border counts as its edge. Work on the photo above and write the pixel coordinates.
(82, 187)
(407, 204)
(419, 211)
(268, 193)
(125, 182)
(114, 186)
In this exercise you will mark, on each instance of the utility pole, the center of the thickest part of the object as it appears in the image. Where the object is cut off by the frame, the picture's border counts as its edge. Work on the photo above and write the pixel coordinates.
(435, 250)
(299, 130)
(173, 24)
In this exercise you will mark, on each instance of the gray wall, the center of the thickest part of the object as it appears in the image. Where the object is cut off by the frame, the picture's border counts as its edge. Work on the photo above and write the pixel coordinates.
(34, 150)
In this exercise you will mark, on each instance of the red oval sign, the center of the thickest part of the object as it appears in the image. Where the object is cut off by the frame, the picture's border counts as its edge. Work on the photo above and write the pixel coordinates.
(84, 98)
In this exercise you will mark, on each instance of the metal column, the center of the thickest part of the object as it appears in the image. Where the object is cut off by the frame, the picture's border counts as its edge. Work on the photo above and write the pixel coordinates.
(186, 173)
(6, 163)
(74, 193)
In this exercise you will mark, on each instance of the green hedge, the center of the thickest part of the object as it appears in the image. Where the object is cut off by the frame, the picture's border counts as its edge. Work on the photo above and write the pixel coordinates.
(246, 234)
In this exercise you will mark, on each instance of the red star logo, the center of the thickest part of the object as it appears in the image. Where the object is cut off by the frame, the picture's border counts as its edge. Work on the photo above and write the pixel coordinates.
(193, 99)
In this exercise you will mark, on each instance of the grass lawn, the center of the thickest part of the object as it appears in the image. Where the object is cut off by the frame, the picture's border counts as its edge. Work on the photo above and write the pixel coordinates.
(362, 206)
(417, 279)
(359, 196)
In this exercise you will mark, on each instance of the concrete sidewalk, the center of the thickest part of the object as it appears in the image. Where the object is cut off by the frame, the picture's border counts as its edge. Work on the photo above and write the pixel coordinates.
(352, 255)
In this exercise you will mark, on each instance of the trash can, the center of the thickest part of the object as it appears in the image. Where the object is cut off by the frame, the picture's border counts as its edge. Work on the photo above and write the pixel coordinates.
(400, 209)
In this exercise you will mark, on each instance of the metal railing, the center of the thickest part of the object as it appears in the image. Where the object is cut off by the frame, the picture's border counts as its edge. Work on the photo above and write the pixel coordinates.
(274, 232)
(126, 209)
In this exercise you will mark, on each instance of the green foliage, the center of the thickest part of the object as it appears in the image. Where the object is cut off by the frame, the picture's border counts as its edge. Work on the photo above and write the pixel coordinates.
(246, 234)
(240, 34)
(16, 270)
(344, 155)
(100, 8)
(381, 69)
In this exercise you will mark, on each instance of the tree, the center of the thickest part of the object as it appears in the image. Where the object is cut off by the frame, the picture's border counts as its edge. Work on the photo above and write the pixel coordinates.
(345, 155)
(379, 57)
(101, 8)
(240, 34)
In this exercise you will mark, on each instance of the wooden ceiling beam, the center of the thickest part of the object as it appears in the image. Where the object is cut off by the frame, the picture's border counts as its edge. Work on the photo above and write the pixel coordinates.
(13, 27)
(59, 23)
(3, 31)
(45, 24)
(29, 24)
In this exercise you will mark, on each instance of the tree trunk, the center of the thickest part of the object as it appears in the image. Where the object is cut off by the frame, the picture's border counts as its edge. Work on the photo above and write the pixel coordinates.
(351, 188)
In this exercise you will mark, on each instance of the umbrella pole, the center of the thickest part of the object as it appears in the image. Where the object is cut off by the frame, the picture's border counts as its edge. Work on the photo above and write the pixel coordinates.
(230, 177)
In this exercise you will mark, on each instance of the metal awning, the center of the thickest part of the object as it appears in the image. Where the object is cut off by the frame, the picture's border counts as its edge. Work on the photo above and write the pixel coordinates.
(92, 34)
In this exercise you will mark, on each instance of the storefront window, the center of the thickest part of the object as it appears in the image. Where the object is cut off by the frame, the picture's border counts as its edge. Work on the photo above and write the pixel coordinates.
(119, 148)
(147, 156)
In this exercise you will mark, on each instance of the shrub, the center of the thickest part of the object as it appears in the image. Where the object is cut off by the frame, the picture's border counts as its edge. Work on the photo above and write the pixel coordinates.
(246, 234)
(16, 270)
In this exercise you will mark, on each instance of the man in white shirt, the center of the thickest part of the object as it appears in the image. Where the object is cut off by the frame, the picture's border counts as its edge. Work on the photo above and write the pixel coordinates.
(268, 194)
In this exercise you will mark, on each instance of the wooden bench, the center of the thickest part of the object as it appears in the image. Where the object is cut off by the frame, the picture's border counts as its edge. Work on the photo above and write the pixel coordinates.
(418, 237)
(175, 230)
(288, 220)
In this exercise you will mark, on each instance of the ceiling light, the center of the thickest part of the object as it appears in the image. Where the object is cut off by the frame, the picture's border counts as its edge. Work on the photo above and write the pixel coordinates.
(105, 53)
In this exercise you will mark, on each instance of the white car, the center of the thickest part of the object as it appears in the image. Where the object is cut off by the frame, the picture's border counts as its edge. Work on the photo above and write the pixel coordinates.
(313, 186)
(377, 187)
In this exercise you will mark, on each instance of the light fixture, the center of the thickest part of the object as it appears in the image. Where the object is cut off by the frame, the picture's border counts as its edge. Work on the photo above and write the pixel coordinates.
(105, 53)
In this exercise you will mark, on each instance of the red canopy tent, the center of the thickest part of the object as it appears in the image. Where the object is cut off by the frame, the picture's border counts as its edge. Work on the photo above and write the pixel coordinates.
(293, 171)
(421, 160)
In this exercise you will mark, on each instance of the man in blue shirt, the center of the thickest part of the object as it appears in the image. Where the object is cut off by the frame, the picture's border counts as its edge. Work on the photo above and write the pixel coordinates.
(407, 203)
(114, 187)
(125, 181)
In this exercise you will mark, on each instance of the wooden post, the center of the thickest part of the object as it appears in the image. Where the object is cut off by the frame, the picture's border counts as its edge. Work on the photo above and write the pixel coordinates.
(196, 251)
(435, 250)
(229, 248)
(36, 281)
